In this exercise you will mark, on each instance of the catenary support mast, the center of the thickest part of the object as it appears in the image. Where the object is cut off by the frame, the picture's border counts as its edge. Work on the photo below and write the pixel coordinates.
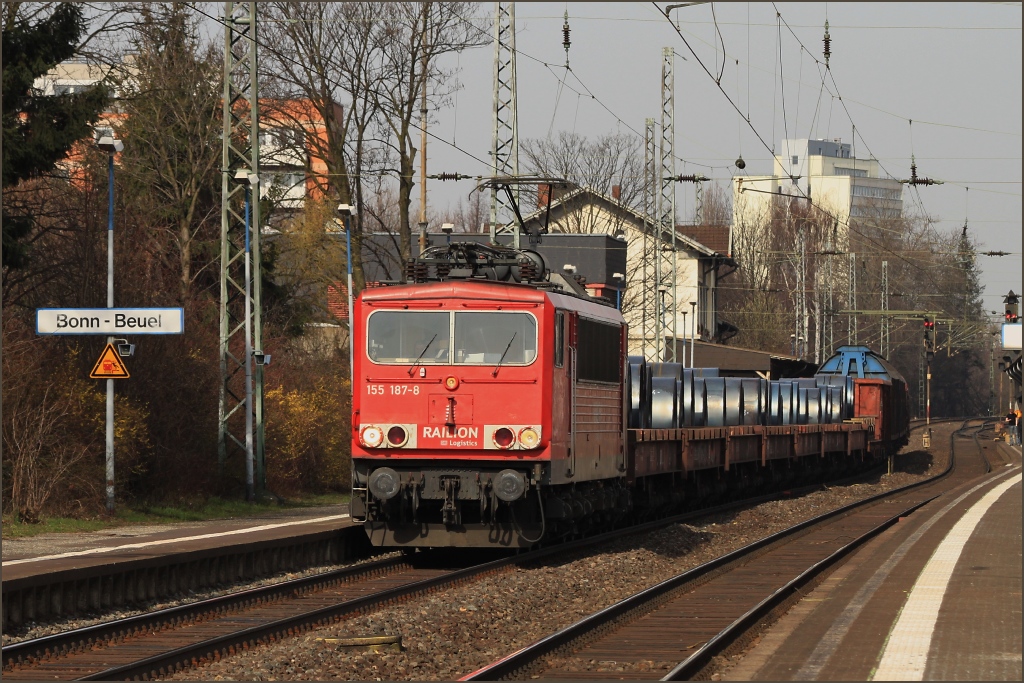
(240, 152)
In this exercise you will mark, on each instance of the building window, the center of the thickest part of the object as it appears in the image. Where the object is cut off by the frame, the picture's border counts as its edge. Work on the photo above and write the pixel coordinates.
(796, 161)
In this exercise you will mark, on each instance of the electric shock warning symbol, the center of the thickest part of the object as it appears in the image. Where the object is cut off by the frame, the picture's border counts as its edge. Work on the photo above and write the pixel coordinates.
(109, 366)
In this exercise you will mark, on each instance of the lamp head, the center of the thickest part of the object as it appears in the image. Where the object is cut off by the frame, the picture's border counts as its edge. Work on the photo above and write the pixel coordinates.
(124, 349)
(447, 228)
(261, 358)
(244, 176)
(346, 209)
(110, 145)
(569, 268)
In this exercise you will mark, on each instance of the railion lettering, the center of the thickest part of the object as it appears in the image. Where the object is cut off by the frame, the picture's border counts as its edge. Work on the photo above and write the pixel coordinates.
(446, 432)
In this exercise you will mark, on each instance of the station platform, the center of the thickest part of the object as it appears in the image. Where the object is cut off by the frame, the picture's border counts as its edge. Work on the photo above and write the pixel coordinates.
(49, 552)
(57, 575)
(935, 597)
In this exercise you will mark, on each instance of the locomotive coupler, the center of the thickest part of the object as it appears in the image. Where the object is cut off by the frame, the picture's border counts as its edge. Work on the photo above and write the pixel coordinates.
(450, 509)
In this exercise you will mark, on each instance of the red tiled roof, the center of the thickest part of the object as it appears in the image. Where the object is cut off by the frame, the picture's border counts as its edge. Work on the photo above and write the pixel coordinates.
(715, 237)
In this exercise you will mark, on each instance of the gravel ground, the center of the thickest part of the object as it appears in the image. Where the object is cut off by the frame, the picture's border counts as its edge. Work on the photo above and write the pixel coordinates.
(451, 633)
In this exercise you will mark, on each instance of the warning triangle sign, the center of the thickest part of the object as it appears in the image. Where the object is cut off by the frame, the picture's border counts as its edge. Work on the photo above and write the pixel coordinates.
(109, 366)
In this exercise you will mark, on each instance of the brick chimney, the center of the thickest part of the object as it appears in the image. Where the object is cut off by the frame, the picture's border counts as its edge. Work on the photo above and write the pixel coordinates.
(616, 192)
(543, 192)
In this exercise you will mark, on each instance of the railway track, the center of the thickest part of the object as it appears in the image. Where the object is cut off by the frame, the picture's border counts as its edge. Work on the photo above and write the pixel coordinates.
(158, 643)
(673, 630)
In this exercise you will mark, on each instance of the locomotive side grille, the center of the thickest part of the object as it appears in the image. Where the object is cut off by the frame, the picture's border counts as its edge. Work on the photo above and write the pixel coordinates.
(598, 409)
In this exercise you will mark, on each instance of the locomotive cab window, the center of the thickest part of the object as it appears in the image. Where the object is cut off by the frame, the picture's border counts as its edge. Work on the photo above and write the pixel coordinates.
(484, 337)
(425, 338)
(405, 336)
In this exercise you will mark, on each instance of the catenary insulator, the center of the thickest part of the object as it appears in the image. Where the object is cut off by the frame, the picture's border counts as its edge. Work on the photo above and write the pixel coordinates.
(828, 44)
(565, 35)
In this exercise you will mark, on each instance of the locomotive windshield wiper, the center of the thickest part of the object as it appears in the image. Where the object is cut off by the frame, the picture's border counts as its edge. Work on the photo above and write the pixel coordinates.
(419, 357)
(494, 373)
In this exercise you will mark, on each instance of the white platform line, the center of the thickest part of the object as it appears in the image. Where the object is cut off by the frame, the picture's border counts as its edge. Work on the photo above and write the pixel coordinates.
(906, 652)
(833, 638)
(166, 541)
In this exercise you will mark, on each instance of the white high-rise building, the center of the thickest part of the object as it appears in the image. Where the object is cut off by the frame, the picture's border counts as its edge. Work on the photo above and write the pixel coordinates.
(828, 174)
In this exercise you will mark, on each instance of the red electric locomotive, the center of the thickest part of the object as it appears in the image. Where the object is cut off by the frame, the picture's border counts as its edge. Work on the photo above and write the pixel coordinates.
(494, 405)
(465, 404)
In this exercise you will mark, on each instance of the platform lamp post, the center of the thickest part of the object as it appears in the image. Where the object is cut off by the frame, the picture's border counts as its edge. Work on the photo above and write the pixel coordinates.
(684, 339)
(346, 211)
(693, 333)
(111, 146)
(251, 181)
(662, 290)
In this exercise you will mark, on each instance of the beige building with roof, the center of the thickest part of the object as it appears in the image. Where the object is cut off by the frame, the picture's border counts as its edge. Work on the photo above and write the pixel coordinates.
(699, 266)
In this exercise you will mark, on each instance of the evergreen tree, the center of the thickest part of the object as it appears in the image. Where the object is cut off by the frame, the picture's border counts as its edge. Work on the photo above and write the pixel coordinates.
(38, 130)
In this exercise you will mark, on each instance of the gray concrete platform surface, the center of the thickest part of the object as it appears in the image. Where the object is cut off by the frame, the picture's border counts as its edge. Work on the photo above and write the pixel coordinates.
(935, 597)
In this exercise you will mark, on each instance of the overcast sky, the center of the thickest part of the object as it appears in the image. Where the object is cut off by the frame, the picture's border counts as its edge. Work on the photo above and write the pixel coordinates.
(954, 69)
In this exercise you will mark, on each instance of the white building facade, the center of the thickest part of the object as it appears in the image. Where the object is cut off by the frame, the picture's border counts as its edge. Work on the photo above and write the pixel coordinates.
(827, 173)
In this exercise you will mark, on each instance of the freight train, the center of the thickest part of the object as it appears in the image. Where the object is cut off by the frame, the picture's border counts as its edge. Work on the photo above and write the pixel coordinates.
(494, 405)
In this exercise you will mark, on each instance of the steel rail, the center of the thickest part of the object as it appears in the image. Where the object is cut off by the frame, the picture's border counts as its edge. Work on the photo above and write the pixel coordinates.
(689, 668)
(172, 660)
(89, 636)
(97, 633)
(509, 665)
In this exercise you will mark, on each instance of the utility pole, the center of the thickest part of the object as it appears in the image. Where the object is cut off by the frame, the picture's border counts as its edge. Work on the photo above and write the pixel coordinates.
(423, 136)
(885, 309)
(851, 329)
(505, 147)
(651, 249)
(240, 153)
(667, 206)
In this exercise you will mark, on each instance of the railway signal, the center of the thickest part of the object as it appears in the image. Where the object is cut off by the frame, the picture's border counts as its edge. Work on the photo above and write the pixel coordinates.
(929, 337)
(1011, 312)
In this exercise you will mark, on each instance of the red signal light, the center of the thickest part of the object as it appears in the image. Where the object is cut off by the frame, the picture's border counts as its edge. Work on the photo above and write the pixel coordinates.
(504, 437)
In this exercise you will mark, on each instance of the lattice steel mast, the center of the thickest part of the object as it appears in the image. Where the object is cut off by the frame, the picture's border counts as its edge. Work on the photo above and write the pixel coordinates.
(240, 159)
(666, 261)
(505, 147)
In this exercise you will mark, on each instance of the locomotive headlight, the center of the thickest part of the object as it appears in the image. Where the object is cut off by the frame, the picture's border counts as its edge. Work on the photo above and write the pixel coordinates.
(372, 436)
(504, 438)
(397, 436)
(529, 438)
(451, 383)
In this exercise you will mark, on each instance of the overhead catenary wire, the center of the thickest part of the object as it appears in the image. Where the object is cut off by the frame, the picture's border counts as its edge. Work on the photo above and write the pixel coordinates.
(770, 148)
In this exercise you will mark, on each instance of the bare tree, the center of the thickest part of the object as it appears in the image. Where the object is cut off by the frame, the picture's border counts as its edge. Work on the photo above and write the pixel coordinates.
(414, 35)
(171, 127)
(313, 71)
(608, 161)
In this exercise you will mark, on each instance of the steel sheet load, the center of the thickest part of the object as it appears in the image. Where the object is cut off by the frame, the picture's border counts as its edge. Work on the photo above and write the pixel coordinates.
(667, 395)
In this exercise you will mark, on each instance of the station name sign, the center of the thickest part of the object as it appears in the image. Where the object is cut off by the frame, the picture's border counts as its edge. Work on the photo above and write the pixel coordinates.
(110, 321)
